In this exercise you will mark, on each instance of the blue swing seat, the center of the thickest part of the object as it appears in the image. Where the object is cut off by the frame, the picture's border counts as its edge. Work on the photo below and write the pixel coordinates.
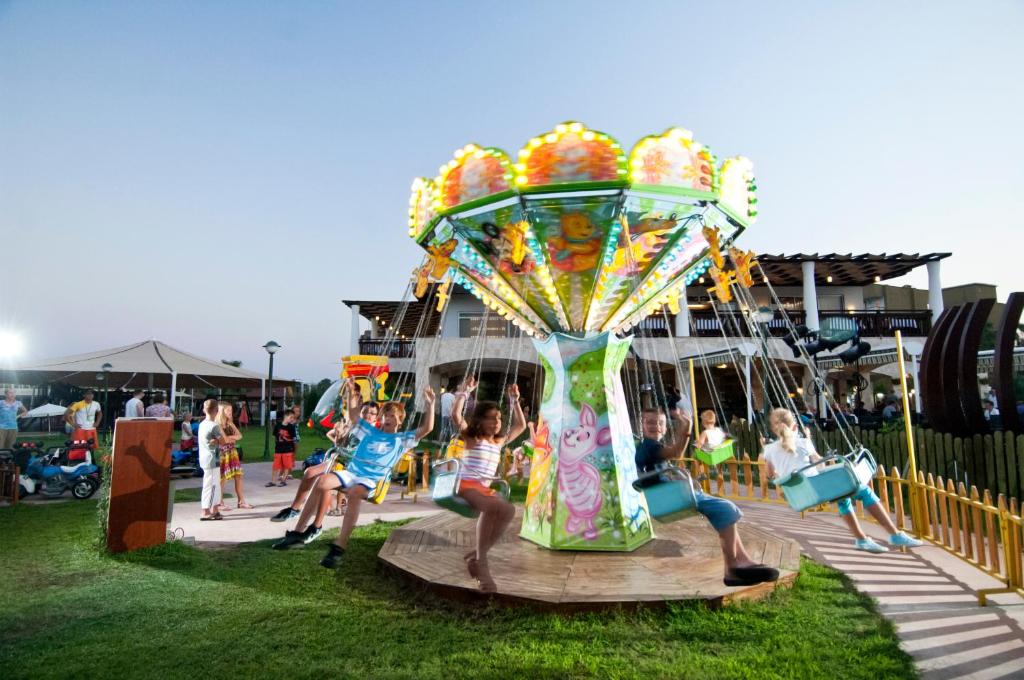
(672, 497)
(842, 477)
(445, 487)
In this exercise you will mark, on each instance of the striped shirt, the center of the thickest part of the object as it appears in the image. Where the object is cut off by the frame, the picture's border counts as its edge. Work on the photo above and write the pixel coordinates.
(481, 461)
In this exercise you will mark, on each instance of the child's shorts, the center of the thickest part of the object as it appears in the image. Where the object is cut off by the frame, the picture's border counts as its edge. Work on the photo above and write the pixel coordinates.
(865, 496)
(474, 485)
(348, 480)
(720, 512)
(284, 461)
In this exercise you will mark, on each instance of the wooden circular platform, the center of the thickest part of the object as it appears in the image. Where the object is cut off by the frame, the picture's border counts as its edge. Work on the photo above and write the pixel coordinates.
(684, 562)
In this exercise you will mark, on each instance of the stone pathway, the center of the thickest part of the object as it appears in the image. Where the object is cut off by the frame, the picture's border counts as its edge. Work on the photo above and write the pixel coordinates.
(927, 593)
(243, 526)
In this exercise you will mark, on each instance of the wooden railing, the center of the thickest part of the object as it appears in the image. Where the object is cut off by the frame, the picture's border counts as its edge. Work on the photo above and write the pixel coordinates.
(9, 486)
(706, 323)
(395, 349)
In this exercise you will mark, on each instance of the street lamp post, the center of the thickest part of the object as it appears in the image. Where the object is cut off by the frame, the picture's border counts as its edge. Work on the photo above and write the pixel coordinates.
(764, 316)
(271, 348)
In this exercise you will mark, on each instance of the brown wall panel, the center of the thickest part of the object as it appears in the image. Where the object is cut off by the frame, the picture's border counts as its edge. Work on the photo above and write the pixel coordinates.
(140, 482)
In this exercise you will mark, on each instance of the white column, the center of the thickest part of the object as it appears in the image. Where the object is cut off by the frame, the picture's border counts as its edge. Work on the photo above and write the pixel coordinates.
(263, 402)
(810, 295)
(174, 388)
(750, 397)
(683, 317)
(917, 383)
(354, 334)
(934, 290)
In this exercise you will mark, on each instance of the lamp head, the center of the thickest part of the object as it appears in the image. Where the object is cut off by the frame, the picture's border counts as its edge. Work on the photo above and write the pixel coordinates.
(107, 368)
(271, 347)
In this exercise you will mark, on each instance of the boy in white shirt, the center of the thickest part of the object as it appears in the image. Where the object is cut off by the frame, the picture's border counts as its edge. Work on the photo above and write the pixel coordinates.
(211, 437)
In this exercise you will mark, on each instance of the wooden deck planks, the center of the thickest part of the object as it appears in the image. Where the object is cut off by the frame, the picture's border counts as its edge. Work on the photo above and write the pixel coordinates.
(683, 563)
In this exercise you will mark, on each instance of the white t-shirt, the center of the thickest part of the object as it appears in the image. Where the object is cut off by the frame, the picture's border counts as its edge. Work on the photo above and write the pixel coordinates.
(209, 453)
(186, 431)
(85, 415)
(134, 408)
(785, 463)
(714, 438)
(447, 402)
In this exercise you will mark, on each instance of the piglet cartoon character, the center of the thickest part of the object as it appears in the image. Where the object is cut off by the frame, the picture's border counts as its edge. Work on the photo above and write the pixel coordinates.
(579, 482)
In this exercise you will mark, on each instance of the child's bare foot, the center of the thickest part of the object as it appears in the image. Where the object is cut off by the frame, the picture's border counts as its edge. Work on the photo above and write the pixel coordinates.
(472, 566)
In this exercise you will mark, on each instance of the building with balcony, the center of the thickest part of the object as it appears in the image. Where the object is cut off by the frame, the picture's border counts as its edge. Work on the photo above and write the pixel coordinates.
(426, 347)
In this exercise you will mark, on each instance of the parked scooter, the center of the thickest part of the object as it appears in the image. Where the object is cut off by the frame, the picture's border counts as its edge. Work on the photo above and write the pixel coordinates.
(186, 462)
(47, 475)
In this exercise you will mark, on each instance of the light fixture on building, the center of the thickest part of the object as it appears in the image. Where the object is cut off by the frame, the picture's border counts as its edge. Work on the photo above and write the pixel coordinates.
(721, 366)
(700, 280)
(877, 279)
(828, 279)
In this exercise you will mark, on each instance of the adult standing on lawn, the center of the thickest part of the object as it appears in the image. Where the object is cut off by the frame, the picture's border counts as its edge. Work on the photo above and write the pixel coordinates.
(230, 462)
(211, 438)
(134, 408)
(85, 418)
(158, 409)
(10, 409)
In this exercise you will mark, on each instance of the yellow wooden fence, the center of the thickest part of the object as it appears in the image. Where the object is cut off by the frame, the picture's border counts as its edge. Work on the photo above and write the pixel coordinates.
(968, 524)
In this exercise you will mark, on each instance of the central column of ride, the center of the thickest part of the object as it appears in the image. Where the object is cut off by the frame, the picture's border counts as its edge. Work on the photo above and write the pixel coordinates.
(581, 495)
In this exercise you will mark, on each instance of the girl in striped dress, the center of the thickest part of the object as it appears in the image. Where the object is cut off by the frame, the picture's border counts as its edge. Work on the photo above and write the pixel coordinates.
(483, 438)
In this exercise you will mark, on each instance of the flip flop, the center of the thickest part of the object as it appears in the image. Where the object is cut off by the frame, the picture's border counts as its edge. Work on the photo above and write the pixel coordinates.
(245, 506)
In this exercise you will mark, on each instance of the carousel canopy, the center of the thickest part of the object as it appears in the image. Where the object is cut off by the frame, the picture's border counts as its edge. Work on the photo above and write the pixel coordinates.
(576, 235)
(132, 367)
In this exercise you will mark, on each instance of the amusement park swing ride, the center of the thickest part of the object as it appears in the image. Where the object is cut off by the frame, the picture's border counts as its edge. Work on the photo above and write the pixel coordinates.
(575, 242)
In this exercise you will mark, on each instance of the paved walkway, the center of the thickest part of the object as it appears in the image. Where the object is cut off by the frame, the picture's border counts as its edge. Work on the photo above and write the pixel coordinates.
(243, 526)
(927, 593)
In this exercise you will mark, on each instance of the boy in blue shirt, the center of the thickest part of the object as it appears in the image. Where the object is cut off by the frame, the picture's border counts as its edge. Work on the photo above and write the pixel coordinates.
(651, 454)
(377, 450)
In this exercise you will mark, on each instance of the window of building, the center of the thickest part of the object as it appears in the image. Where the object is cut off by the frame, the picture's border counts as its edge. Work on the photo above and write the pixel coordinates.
(469, 326)
(830, 303)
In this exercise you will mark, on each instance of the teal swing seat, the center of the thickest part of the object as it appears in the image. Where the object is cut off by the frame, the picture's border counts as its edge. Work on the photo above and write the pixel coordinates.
(842, 477)
(445, 487)
(717, 455)
(672, 496)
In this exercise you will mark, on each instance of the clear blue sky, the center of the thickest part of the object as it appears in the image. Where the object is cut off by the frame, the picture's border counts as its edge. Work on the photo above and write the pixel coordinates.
(219, 174)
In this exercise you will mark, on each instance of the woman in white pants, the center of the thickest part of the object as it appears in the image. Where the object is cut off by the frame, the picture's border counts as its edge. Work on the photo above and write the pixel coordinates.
(211, 438)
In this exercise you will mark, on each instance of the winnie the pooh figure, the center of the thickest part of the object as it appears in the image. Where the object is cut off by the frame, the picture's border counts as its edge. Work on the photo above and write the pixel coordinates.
(578, 248)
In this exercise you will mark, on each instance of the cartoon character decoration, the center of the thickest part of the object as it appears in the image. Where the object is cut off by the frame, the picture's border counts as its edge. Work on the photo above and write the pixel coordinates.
(370, 373)
(538, 497)
(712, 235)
(578, 247)
(443, 294)
(645, 239)
(439, 258)
(579, 482)
(723, 283)
(743, 261)
(513, 253)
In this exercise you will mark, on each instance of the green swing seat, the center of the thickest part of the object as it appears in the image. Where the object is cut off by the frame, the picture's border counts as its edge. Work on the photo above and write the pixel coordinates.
(445, 487)
(671, 497)
(717, 455)
(842, 477)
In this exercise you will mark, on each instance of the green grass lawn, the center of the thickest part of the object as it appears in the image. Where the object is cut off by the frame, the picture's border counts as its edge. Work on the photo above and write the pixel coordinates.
(177, 611)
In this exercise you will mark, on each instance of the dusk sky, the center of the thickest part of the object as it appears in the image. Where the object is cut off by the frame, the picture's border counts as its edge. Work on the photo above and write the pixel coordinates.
(216, 175)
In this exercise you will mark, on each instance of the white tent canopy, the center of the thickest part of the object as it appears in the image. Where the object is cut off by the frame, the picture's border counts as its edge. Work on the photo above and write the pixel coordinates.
(146, 364)
(45, 411)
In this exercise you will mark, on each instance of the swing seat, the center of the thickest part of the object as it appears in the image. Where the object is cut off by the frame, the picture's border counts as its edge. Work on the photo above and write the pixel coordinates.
(842, 477)
(445, 487)
(719, 454)
(672, 497)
